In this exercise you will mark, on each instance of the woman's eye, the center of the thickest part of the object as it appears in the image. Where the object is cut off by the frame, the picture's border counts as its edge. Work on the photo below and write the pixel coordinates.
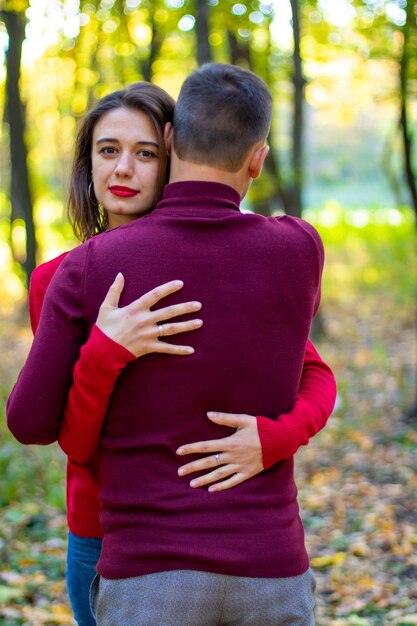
(108, 150)
(147, 154)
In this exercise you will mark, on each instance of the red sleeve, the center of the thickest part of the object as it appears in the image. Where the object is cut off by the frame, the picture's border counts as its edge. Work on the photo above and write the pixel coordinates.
(281, 438)
(39, 282)
(95, 373)
(35, 301)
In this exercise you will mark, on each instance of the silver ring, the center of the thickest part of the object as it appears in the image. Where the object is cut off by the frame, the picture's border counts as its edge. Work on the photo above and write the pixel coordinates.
(217, 457)
(160, 330)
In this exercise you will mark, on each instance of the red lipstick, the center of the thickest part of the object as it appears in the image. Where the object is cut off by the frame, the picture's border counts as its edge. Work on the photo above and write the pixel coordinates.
(123, 192)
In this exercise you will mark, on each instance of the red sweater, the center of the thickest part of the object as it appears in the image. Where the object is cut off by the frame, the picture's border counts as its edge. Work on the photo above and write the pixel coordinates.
(266, 274)
(100, 364)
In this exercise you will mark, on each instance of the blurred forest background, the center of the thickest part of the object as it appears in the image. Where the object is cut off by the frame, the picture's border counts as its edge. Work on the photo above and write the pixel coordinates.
(343, 155)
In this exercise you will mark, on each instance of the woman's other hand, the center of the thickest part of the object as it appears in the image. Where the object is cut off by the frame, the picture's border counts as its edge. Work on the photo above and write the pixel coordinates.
(230, 460)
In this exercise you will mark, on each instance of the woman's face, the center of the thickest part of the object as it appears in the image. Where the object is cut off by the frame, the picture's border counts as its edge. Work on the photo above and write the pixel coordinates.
(125, 164)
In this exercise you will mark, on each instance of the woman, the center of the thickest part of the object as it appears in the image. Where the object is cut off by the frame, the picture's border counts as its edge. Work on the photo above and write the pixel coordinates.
(138, 157)
(117, 176)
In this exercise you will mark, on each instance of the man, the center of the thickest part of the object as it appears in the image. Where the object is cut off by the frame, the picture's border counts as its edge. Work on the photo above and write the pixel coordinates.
(173, 555)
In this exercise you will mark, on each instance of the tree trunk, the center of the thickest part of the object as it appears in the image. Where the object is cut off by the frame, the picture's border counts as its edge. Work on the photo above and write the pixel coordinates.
(295, 205)
(407, 138)
(202, 32)
(404, 120)
(272, 166)
(393, 178)
(155, 49)
(20, 189)
(239, 51)
(295, 202)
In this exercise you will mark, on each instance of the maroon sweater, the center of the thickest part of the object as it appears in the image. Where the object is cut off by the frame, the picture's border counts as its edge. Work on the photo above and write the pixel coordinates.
(263, 275)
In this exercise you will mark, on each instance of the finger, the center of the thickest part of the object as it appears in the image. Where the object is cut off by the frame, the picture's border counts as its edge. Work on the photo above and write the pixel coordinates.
(179, 327)
(113, 295)
(218, 474)
(208, 462)
(150, 298)
(232, 481)
(200, 447)
(235, 420)
(168, 348)
(175, 310)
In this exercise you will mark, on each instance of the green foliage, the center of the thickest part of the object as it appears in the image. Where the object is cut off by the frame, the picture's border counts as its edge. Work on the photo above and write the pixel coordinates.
(28, 476)
(121, 42)
(369, 251)
(36, 475)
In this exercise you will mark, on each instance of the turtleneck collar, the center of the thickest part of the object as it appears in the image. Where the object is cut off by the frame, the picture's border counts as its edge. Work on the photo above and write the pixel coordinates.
(195, 197)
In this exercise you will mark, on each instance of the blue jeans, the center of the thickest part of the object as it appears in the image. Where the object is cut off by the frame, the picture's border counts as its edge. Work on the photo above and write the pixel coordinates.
(83, 554)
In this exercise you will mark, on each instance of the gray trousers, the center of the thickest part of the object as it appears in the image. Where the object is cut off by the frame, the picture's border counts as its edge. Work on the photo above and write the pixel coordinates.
(189, 598)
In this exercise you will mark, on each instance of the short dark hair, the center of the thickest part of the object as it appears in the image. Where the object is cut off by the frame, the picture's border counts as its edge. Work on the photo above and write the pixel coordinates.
(221, 112)
(86, 215)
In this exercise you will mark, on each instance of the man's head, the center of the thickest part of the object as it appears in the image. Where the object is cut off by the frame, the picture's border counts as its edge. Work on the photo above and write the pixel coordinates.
(222, 112)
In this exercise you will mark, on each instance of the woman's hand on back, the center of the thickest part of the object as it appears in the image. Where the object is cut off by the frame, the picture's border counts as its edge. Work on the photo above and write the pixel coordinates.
(139, 329)
(229, 461)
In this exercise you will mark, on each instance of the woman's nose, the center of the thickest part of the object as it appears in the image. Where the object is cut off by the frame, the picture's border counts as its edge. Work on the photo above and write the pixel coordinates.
(124, 166)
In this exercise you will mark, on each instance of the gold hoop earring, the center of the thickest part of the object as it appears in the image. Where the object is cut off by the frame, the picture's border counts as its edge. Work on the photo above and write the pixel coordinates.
(89, 193)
